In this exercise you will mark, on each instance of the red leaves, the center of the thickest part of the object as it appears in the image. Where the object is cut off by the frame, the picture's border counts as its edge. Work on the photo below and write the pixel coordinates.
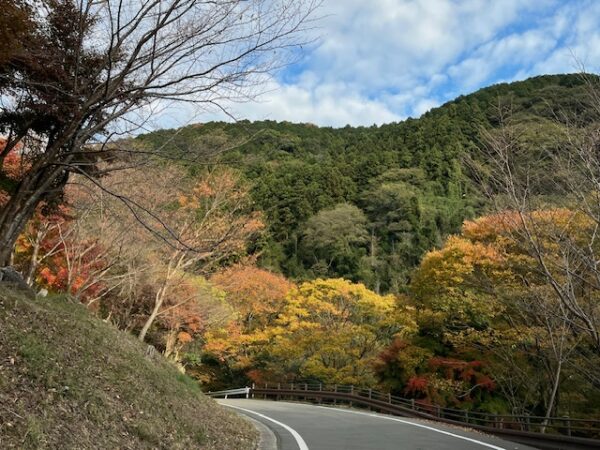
(47, 277)
(486, 383)
(390, 354)
(12, 168)
(417, 385)
(469, 372)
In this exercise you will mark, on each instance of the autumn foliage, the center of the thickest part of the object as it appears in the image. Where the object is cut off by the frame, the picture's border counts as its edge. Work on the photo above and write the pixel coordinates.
(475, 323)
(12, 168)
(488, 317)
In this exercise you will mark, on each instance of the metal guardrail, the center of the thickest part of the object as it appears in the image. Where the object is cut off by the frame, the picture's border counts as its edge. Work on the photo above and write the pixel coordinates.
(554, 433)
(245, 391)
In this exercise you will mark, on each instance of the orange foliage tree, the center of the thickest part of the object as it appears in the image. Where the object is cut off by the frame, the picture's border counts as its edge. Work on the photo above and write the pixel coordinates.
(50, 252)
(257, 295)
(12, 169)
(234, 352)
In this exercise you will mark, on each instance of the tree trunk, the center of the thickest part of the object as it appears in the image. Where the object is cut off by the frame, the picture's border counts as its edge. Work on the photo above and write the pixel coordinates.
(23, 202)
(12, 221)
(34, 257)
(158, 301)
(552, 400)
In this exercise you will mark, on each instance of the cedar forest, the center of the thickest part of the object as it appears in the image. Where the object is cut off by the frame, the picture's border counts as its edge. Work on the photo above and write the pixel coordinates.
(389, 257)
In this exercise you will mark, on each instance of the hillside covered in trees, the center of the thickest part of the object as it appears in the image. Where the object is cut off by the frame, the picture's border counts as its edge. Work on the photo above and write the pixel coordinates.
(450, 258)
(367, 203)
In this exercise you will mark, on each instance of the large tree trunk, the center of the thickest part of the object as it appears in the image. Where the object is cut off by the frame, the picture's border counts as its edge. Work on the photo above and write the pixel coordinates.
(13, 219)
(35, 187)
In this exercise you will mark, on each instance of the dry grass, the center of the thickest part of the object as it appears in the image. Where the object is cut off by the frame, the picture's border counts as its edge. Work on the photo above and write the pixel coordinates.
(70, 381)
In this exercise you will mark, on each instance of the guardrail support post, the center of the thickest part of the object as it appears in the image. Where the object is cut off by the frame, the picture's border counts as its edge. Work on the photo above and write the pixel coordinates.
(439, 413)
(412, 403)
(390, 398)
(568, 423)
(253, 386)
(466, 416)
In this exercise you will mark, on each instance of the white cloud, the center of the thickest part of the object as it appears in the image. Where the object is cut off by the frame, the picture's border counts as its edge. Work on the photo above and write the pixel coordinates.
(425, 105)
(383, 60)
(332, 104)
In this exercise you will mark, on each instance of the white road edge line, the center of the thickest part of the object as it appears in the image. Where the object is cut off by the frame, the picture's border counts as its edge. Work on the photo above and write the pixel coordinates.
(301, 444)
(485, 444)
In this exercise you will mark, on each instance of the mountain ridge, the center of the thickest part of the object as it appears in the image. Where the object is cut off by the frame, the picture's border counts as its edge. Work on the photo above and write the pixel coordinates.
(413, 169)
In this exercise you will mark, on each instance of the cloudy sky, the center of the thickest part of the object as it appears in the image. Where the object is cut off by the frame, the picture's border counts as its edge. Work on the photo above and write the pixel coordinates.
(380, 61)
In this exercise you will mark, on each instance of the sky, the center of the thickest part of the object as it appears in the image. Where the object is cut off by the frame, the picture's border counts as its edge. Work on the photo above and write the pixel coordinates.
(381, 61)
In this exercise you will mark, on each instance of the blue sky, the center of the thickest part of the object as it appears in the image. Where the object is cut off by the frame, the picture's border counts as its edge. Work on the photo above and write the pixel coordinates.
(379, 61)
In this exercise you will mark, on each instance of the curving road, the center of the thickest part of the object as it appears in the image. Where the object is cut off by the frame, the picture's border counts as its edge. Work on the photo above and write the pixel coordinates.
(309, 427)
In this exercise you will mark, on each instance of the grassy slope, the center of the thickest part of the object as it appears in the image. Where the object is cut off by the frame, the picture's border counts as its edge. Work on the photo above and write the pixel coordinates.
(68, 380)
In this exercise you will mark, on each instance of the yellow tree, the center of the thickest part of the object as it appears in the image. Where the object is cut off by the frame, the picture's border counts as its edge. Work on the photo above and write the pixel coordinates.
(332, 331)
(455, 285)
(553, 300)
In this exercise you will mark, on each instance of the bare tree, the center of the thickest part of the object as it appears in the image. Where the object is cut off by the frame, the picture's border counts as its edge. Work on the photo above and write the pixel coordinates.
(521, 178)
(215, 223)
(92, 70)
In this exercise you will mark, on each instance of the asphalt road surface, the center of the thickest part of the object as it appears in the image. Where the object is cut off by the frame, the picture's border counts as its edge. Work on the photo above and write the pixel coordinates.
(309, 427)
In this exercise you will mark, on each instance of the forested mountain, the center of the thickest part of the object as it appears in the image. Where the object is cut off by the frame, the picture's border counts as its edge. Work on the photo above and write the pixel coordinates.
(365, 203)
(451, 258)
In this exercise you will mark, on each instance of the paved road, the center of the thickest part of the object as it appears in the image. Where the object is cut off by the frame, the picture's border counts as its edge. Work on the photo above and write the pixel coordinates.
(308, 427)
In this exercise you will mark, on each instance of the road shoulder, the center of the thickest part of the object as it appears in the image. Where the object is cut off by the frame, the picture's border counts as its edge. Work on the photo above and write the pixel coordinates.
(267, 439)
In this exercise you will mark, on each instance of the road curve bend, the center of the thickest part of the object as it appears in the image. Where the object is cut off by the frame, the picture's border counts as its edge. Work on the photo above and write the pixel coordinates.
(300, 426)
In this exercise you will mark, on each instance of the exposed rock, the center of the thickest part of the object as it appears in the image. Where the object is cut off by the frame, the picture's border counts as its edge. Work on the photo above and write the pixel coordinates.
(11, 278)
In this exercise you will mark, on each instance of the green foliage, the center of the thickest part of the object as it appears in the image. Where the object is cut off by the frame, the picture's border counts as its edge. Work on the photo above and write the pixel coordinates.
(407, 178)
(334, 240)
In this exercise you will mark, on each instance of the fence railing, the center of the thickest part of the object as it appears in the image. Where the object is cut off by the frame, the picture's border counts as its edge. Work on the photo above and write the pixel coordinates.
(245, 391)
(541, 432)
